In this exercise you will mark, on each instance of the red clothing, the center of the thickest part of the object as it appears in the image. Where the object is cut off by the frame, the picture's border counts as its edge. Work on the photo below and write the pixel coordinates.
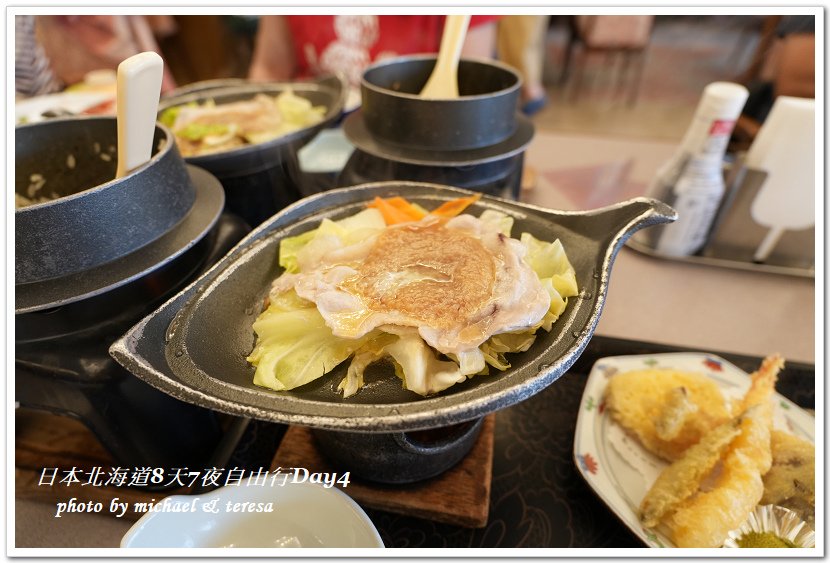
(350, 43)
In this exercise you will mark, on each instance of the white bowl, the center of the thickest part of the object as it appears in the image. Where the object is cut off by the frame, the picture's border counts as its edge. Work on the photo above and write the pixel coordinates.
(302, 515)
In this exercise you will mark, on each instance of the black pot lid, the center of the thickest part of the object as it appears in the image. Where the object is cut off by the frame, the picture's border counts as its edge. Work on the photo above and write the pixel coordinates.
(355, 129)
(194, 346)
(48, 294)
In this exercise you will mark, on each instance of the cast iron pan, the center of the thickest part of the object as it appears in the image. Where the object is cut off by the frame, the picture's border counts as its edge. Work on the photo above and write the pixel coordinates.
(200, 355)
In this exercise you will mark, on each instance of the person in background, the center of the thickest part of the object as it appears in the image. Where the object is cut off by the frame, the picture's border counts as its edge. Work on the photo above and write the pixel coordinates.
(521, 44)
(53, 52)
(305, 46)
(33, 75)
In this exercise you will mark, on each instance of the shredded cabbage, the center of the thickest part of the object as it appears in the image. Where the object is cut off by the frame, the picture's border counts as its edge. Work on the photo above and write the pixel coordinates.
(549, 261)
(346, 231)
(208, 128)
(295, 346)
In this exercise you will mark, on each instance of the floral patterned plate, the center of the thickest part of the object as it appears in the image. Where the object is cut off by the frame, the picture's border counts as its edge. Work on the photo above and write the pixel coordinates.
(620, 470)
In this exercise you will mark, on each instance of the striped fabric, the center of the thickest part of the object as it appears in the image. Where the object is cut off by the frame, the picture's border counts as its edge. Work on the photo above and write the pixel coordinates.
(32, 74)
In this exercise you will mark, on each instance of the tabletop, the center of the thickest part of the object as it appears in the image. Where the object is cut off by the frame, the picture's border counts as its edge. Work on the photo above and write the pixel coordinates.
(539, 499)
(658, 300)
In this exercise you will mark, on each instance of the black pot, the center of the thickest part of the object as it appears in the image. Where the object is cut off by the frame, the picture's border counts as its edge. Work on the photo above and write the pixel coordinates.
(94, 218)
(399, 457)
(483, 115)
(261, 179)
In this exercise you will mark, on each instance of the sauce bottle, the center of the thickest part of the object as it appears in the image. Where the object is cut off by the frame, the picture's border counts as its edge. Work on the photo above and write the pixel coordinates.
(692, 180)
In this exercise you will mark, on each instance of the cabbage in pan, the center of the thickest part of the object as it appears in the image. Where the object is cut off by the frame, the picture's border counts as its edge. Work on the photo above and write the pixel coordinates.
(210, 128)
(295, 345)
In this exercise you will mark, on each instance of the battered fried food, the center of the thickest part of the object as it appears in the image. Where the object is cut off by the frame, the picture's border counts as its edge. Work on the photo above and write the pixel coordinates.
(791, 481)
(677, 410)
(666, 421)
(733, 488)
(682, 479)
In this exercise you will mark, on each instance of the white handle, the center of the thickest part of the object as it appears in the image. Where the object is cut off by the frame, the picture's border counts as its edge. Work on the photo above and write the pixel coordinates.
(443, 82)
(137, 99)
(770, 240)
(785, 148)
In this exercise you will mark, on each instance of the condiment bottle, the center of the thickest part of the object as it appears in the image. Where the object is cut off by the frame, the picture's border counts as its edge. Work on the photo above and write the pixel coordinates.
(692, 180)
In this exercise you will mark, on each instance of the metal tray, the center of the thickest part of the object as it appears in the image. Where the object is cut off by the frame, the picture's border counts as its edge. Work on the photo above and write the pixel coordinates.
(194, 346)
(735, 235)
(713, 258)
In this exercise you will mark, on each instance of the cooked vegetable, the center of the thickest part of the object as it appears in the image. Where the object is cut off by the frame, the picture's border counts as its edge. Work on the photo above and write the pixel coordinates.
(397, 210)
(349, 290)
(294, 344)
(208, 128)
(455, 206)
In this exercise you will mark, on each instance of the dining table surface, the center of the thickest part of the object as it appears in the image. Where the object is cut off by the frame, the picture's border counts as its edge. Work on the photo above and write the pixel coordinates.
(653, 305)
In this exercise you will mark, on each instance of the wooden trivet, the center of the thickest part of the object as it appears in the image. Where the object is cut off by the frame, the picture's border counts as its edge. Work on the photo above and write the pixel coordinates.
(45, 440)
(459, 496)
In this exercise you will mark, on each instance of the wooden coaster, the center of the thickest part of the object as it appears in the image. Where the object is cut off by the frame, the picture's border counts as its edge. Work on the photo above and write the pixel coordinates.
(459, 496)
(44, 440)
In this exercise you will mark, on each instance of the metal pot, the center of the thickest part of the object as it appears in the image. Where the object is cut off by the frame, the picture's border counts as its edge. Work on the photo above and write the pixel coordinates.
(261, 179)
(94, 218)
(483, 115)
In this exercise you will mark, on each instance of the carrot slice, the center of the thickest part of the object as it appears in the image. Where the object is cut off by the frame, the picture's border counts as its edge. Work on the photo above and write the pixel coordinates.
(402, 204)
(455, 206)
(391, 214)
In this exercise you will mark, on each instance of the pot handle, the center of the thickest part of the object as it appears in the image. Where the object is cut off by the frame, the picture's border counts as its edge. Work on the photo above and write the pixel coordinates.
(415, 442)
(618, 221)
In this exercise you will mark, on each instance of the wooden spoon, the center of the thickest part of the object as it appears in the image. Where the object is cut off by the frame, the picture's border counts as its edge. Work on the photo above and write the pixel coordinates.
(137, 98)
(443, 82)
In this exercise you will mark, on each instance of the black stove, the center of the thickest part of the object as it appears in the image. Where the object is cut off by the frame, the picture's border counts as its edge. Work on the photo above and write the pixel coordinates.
(494, 170)
(500, 178)
(62, 365)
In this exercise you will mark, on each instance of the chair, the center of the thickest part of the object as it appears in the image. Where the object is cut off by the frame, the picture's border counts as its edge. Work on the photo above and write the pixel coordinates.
(625, 37)
(790, 70)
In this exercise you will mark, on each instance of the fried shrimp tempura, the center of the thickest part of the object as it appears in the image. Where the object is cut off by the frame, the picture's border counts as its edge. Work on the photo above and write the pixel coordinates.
(682, 478)
(706, 517)
(666, 421)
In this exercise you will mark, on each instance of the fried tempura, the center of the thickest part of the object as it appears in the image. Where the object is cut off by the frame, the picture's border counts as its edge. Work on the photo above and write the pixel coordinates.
(675, 412)
(682, 478)
(791, 481)
(648, 404)
(706, 517)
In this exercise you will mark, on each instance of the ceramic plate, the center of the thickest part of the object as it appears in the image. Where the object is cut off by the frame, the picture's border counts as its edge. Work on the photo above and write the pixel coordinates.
(30, 110)
(276, 511)
(620, 470)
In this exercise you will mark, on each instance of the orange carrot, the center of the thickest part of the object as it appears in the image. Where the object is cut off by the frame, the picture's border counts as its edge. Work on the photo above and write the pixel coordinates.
(402, 204)
(455, 206)
(391, 214)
